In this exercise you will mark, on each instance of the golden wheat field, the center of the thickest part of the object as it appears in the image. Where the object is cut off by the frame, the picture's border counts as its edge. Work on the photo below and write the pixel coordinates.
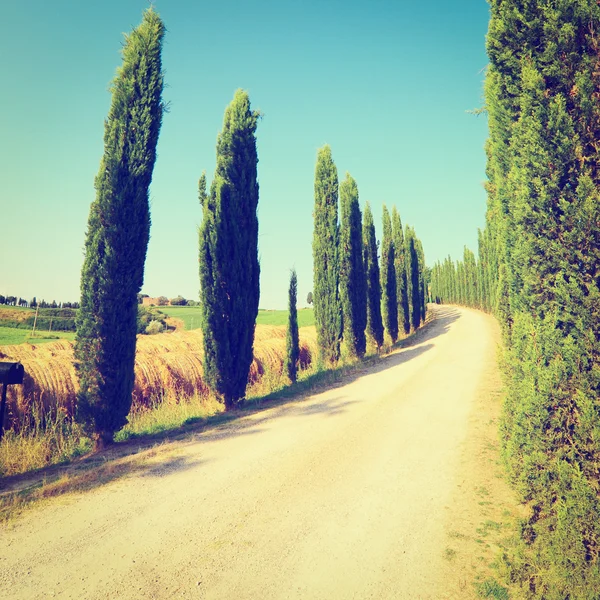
(167, 364)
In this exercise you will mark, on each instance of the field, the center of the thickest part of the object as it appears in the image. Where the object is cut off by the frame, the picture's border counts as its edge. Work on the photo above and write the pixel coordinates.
(11, 335)
(167, 364)
(191, 316)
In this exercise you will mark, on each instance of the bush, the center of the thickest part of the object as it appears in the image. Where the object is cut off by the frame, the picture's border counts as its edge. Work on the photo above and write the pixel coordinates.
(154, 327)
(147, 316)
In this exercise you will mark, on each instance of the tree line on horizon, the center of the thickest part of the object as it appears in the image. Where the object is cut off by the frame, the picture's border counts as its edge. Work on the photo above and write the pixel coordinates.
(34, 302)
(538, 271)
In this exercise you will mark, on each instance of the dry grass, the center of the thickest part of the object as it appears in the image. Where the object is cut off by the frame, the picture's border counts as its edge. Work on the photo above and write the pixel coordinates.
(14, 314)
(43, 440)
(167, 364)
(169, 391)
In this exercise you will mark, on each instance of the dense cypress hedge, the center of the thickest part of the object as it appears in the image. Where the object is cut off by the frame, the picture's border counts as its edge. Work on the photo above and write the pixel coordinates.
(542, 93)
(538, 269)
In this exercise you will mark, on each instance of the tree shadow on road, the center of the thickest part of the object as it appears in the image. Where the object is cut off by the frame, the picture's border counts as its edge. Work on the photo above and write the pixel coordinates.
(88, 474)
(288, 399)
(151, 456)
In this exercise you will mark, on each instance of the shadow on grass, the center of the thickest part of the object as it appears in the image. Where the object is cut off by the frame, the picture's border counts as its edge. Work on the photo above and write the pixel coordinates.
(90, 474)
(148, 454)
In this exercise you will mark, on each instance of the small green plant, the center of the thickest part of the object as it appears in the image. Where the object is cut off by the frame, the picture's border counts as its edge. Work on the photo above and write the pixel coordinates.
(449, 554)
(492, 589)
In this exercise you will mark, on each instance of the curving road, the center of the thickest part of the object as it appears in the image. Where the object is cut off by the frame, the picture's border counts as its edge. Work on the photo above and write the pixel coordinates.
(339, 495)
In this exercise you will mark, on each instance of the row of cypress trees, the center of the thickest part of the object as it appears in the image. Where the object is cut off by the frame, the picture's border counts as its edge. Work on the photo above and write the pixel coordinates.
(463, 282)
(542, 243)
(118, 234)
(538, 270)
(355, 296)
(346, 273)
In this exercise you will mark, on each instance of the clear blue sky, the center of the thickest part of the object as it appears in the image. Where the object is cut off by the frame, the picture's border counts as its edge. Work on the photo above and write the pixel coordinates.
(387, 83)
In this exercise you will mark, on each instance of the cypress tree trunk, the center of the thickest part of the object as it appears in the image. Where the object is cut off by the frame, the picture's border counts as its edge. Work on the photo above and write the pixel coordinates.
(353, 282)
(400, 264)
(388, 279)
(229, 268)
(327, 306)
(292, 341)
(117, 236)
(374, 320)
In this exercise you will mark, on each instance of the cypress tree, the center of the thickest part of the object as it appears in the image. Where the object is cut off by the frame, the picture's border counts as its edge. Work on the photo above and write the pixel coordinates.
(388, 278)
(292, 341)
(117, 236)
(400, 264)
(229, 268)
(415, 287)
(374, 320)
(353, 282)
(327, 307)
(423, 281)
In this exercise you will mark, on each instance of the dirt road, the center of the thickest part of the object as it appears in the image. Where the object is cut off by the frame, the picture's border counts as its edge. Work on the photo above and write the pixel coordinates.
(346, 494)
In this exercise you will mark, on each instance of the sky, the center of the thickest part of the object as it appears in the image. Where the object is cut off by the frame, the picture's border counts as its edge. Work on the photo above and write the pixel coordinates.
(390, 85)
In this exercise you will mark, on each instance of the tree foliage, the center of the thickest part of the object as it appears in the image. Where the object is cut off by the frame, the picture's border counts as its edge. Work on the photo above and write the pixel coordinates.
(414, 277)
(353, 283)
(538, 270)
(326, 273)
(229, 268)
(389, 284)
(401, 270)
(374, 319)
(292, 340)
(117, 236)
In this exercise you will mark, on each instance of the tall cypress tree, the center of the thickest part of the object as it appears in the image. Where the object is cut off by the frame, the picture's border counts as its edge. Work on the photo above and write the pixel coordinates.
(400, 264)
(374, 320)
(292, 341)
(327, 307)
(415, 280)
(422, 280)
(388, 278)
(353, 282)
(117, 236)
(229, 268)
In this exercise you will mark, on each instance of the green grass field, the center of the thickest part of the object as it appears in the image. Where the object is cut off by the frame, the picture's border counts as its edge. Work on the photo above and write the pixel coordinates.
(11, 335)
(280, 317)
(191, 316)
